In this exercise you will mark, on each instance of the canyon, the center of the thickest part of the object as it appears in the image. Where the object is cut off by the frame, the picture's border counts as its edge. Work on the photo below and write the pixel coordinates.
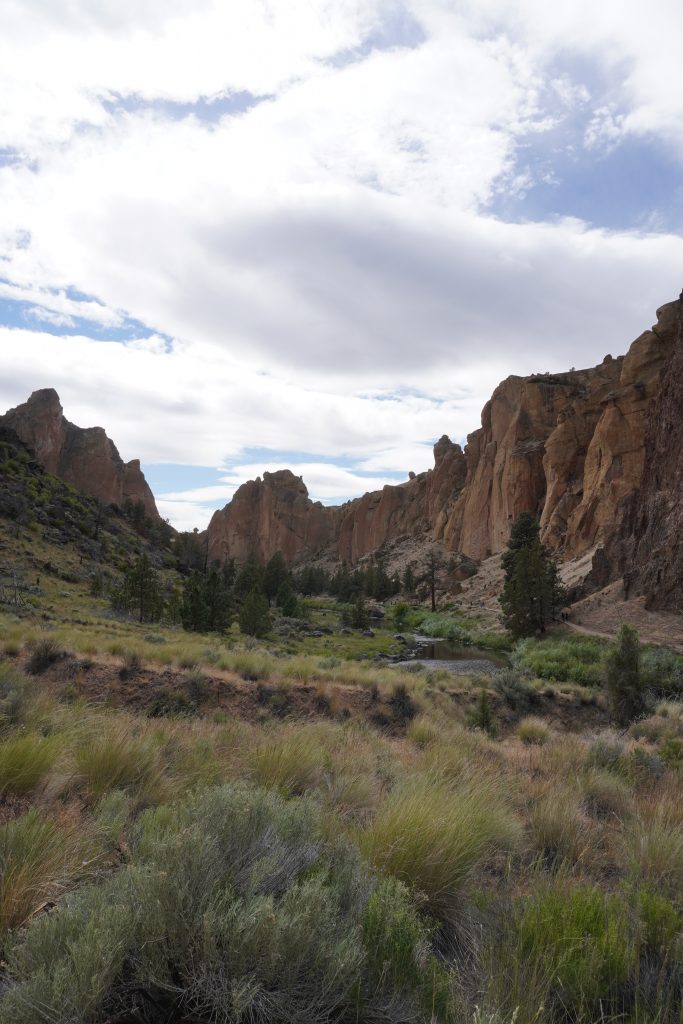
(596, 454)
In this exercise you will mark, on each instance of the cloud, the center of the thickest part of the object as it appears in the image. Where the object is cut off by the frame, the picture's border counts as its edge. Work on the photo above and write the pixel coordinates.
(296, 214)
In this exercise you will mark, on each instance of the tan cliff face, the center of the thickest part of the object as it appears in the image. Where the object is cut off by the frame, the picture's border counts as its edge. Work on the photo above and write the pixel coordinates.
(569, 447)
(268, 515)
(83, 457)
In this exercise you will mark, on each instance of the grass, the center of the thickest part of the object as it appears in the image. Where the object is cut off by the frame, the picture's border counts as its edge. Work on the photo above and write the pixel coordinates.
(533, 730)
(24, 763)
(291, 763)
(330, 829)
(431, 836)
(116, 759)
(39, 860)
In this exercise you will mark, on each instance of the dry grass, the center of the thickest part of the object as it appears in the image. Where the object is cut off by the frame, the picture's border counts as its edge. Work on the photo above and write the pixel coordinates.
(39, 859)
(431, 836)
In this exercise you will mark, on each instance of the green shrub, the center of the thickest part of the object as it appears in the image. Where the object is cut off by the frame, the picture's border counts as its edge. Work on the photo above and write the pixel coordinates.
(402, 705)
(660, 921)
(232, 909)
(672, 753)
(172, 704)
(578, 937)
(623, 676)
(15, 693)
(515, 690)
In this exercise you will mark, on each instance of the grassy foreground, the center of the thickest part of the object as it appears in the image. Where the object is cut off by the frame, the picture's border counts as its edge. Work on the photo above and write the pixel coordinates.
(189, 864)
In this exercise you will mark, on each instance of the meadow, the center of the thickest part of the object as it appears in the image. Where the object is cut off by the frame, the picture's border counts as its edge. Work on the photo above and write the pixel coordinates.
(397, 846)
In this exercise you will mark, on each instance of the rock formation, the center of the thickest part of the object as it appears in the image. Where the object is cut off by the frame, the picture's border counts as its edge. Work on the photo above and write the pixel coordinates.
(647, 549)
(588, 451)
(269, 515)
(84, 458)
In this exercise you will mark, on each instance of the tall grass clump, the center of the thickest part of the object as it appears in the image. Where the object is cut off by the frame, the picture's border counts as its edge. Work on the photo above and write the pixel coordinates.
(39, 860)
(431, 836)
(116, 759)
(44, 653)
(24, 762)
(533, 731)
(290, 762)
(568, 951)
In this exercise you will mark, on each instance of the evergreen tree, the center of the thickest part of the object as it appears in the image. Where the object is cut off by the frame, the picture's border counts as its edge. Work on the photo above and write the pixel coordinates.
(623, 677)
(286, 599)
(254, 615)
(408, 580)
(276, 573)
(140, 592)
(206, 602)
(250, 577)
(433, 567)
(532, 591)
(359, 617)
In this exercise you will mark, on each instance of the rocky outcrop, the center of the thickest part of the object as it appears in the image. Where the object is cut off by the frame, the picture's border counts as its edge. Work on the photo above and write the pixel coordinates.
(268, 515)
(585, 450)
(83, 457)
(647, 549)
(276, 514)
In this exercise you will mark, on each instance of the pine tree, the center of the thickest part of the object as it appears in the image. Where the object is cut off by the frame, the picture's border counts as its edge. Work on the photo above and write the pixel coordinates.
(623, 678)
(286, 599)
(254, 615)
(276, 573)
(140, 592)
(533, 591)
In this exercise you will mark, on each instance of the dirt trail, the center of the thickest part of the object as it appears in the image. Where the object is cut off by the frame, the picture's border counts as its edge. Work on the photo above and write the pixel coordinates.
(600, 614)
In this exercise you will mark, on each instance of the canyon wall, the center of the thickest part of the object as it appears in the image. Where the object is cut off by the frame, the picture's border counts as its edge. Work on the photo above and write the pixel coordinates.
(586, 451)
(84, 458)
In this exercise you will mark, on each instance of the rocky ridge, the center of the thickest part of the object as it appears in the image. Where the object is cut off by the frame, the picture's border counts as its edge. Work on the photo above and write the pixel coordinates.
(588, 451)
(83, 457)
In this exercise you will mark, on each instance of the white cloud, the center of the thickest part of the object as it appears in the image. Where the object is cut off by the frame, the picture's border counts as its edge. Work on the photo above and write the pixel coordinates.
(322, 252)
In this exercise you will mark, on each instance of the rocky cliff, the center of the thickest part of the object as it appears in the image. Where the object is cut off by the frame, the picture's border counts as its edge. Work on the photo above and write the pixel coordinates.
(588, 451)
(647, 549)
(84, 458)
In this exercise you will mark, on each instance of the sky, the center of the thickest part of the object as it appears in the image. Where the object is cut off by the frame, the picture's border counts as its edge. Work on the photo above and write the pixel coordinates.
(316, 234)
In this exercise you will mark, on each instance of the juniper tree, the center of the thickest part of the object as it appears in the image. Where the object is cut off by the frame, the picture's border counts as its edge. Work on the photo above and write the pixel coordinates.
(533, 591)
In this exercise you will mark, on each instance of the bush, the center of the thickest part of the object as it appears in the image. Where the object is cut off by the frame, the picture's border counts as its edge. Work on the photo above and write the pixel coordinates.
(577, 938)
(232, 909)
(622, 676)
(15, 691)
(516, 691)
(402, 705)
